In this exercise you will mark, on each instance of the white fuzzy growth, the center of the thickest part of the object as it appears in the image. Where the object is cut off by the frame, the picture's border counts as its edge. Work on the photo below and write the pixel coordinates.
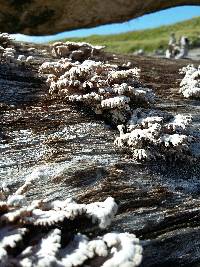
(141, 118)
(76, 253)
(102, 212)
(126, 250)
(179, 122)
(3, 256)
(190, 84)
(174, 139)
(69, 207)
(29, 59)
(21, 58)
(122, 249)
(121, 89)
(74, 49)
(97, 247)
(45, 251)
(1, 49)
(139, 93)
(151, 133)
(3, 206)
(77, 45)
(102, 87)
(51, 78)
(10, 50)
(115, 102)
(31, 49)
(5, 37)
(131, 73)
(56, 68)
(43, 254)
(14, 215)
(81, 249)
(10, 236)
(139, 135)
(16, 200)
(5, 188)
(45, 214)
(57, 211)
(60, 50)
(9, 55)
(42, 217)
(142, 154)
(128, 64)
(86, 97)
(147, 122)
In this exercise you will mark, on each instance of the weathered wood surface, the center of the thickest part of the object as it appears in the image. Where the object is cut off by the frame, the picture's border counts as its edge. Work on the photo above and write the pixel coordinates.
(35, 17)
(158, 202)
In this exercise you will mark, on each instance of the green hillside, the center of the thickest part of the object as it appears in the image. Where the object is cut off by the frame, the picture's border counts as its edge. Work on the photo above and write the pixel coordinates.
(149, 39)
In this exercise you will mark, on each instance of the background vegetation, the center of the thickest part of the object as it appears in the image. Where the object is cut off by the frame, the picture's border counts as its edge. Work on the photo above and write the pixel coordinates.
(149, 39)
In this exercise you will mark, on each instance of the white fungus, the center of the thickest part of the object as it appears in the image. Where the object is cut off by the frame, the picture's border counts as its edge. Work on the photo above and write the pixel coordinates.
(45, 248)
(190, 84)
(151, 133)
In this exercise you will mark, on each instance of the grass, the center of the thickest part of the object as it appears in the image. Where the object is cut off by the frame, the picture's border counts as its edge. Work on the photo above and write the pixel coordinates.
(149, 39)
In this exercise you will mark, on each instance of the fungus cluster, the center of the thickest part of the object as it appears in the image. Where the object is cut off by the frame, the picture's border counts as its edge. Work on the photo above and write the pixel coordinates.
(155, 134)
(190, 85)
(75, 50)
(103, 87)
(44, 233)
(5, 39)
(116, 94)
(9, 54)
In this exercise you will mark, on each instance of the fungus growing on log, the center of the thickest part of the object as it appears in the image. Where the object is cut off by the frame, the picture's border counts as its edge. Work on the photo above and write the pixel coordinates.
(155, 134)
(120, 98)
(42, 233)
(190, 84)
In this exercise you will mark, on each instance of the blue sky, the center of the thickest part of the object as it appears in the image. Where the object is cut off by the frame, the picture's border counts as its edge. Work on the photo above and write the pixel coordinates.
(165, 17)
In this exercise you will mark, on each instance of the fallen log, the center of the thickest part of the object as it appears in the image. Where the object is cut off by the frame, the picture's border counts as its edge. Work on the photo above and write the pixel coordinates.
(158, 201)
